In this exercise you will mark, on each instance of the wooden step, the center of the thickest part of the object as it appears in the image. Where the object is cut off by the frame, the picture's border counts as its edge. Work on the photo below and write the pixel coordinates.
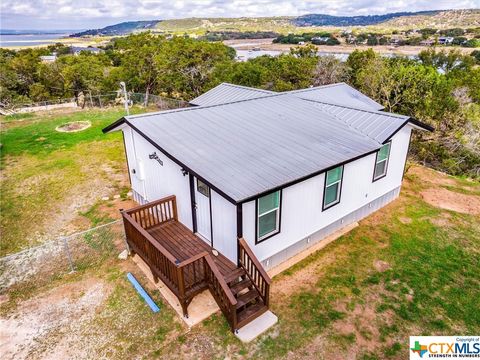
(250, 313)
(234, 275)
(246, 298)
(239, 286)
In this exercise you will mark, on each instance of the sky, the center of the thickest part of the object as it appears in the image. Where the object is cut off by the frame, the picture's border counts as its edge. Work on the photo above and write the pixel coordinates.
(88, 14)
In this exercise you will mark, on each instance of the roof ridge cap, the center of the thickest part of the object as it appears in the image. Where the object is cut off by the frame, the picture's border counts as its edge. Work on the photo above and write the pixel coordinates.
(378, 112)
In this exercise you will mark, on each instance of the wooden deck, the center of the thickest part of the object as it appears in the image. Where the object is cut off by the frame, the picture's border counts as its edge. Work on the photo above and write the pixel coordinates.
(187, 266)
(183, 244)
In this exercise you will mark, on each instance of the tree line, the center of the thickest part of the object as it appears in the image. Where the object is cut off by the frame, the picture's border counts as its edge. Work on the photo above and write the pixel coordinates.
(438, 87)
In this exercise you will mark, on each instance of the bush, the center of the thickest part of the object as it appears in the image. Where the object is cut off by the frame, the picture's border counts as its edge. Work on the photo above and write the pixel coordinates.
(332, 41)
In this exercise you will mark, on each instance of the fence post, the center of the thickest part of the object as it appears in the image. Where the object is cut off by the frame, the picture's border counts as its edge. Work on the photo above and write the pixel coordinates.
(90, 97)
(69, 255)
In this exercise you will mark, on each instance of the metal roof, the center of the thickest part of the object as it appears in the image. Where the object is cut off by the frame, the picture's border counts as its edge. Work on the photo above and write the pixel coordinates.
(225, 92)
(248, 147)
(377, 125)
(340, 94)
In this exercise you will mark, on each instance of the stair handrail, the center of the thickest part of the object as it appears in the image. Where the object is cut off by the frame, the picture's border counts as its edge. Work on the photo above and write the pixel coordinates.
(230, 312)
(262, 281)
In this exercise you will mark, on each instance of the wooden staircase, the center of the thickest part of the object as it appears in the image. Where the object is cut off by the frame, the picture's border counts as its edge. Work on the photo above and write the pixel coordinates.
(242, 293)
(250, 304)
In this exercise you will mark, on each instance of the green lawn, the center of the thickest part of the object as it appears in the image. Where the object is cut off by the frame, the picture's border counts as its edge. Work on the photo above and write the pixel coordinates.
(409, 269)
(49, 177)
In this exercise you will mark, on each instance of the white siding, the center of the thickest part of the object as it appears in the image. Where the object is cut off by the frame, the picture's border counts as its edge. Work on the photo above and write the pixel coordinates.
(160, 181)
(224, 219)
(302, 213)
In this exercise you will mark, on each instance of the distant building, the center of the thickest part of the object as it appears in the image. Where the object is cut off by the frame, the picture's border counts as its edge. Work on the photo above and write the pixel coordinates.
(76, 50)
(320, 40)
(445, 40)
(48, 58)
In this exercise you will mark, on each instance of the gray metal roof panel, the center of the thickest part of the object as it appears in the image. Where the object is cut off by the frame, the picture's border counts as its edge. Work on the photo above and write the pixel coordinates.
(226, 92)
(248, 147)
(377, 125)
(339, 94)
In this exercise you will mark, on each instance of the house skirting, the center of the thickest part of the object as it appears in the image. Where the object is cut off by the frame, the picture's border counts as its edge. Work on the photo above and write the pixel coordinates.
(321, 234)
(138, 198)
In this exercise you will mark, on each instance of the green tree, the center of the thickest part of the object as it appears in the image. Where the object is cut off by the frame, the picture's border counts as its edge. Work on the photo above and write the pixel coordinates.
(186, 66)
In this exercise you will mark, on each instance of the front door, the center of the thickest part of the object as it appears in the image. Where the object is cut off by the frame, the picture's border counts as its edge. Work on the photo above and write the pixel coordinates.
(202, 200)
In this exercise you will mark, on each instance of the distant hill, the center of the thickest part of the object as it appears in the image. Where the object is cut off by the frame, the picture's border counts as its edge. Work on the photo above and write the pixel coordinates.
(328, 20)
(119, 29)
(439, 19)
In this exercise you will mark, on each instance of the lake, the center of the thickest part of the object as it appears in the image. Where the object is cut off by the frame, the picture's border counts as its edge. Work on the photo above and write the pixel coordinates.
(29, 40)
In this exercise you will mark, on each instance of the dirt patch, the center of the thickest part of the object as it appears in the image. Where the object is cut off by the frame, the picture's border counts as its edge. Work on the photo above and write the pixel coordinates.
(304, 277)
(432, 176)
(454, 201)
(53, 314)
(405, 220)
(74, 126)
(381, 266)
(112, 209)
(443, 220)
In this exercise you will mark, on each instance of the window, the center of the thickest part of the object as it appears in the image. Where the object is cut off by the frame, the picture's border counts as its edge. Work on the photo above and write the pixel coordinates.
(381, 162)
(203, 188)
(333, 187)
(268, 215)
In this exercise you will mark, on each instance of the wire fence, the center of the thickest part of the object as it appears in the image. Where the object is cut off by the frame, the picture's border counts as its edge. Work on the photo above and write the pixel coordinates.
(67, 254)
(87, 100)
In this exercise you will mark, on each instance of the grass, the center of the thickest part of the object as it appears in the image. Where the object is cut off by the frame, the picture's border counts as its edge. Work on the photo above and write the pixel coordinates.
(347, 306)
(334, 304)
(51, 174)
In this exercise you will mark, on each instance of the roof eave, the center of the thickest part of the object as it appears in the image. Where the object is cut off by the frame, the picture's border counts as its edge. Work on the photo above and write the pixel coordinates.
(113, 126)
(421, 125)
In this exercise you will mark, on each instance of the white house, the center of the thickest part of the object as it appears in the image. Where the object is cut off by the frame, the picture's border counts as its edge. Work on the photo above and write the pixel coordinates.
(280, 170)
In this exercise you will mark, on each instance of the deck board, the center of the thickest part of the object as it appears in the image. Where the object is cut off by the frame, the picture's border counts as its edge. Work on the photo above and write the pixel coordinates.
(183, 244)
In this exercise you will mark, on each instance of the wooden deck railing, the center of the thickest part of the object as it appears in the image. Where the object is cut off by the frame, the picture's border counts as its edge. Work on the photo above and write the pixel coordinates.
(155, 212)
(161, 262)
(255, 271)
(221, 292)
(186, 278)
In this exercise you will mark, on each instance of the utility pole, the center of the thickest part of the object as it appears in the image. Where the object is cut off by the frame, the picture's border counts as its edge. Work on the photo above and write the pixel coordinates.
(125, 97)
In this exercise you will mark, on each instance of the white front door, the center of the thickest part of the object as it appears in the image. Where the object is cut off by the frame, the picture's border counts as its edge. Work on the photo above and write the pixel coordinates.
(202, 200)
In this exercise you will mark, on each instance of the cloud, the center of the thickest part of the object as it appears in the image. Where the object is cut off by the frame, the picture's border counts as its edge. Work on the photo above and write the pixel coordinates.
(69, 14)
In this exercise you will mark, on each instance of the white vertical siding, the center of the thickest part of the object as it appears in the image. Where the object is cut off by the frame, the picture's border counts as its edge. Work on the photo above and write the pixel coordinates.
(160, 181)
(302, 213)
(224, 222)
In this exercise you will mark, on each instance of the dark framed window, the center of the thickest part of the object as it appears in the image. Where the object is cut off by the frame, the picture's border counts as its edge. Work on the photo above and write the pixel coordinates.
(268, 212)
(203, 188)
(381, 162)
(333, 187)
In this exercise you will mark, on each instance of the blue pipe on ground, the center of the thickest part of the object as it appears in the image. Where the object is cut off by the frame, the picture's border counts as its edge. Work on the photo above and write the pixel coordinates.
(143, 293)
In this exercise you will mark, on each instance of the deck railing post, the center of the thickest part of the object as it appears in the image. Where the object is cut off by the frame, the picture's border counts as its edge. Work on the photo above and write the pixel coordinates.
(174, 205)
(125, 232)
(181, 290)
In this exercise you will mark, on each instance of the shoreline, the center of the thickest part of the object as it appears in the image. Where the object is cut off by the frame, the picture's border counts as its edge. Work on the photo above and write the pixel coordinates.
(267, 45)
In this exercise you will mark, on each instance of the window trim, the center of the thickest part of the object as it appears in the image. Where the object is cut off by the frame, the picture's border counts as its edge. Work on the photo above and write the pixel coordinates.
(325, 207)
(258, 239)
(387, 160)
